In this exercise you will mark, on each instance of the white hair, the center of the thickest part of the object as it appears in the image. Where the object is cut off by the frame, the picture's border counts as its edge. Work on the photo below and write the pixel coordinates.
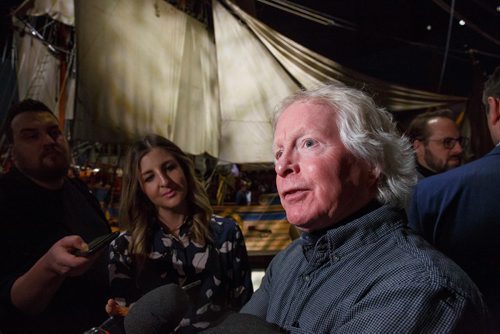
(370, 134)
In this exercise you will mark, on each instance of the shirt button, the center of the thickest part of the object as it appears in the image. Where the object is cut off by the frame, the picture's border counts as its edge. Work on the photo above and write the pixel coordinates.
(307, 278)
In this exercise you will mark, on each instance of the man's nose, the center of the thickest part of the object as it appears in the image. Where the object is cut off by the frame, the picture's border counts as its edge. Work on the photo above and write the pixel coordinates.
(285, 165)
(457, 149)
(49, 139)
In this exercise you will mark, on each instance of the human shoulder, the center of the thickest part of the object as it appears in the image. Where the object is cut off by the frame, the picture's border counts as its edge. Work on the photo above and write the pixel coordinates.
(17, 189)
(436, 185)
(458, 177)
(222, 220)
(435, 181)
(224, 229)
(122, 241)
(404, 270)
(123, 237)
(423, 264)
(415, 288)
(12, 179)
(3, 186)
(393, 253)
(76, 183)
(3, 177)
(220, 224)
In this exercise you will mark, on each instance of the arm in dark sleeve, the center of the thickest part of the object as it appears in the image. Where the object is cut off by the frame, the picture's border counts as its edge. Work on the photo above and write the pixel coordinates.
(424, 211)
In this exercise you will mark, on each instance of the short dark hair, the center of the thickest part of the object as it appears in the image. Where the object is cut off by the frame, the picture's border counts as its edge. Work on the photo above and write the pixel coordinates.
(418, 127)
(492, 87)
(27, 105)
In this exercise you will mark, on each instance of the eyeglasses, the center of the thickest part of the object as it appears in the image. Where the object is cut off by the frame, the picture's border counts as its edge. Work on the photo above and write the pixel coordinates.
(450, 142)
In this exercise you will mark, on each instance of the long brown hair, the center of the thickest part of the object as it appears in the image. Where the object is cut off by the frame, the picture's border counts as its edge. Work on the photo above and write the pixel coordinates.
(137, 212)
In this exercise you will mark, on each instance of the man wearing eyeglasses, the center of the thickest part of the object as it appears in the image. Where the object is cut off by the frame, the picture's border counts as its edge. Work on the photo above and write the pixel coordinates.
(459, 211)
(437, 142)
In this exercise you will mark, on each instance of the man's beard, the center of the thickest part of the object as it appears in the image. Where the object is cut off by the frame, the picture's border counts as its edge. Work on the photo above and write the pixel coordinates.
(53, 173)
(52, 166)
(435, 164)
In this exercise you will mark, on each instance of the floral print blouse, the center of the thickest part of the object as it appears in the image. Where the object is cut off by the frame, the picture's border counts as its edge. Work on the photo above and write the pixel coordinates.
(219, 270)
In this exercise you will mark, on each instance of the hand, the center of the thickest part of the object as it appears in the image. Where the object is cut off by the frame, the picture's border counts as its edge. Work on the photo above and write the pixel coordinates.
(60, 259)
(115, 309)
(33, 291)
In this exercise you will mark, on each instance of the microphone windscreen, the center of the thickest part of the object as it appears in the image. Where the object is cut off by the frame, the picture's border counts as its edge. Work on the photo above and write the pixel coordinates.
(158, 311)
(243, 323)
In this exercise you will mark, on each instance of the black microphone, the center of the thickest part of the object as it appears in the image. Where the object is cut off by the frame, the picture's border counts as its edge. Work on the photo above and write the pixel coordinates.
(157, 312)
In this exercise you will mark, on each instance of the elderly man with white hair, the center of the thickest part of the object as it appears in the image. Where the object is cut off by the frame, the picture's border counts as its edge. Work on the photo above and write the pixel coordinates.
(344, 175)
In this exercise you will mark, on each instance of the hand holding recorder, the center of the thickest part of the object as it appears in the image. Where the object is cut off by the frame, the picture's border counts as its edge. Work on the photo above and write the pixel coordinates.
(97, 244)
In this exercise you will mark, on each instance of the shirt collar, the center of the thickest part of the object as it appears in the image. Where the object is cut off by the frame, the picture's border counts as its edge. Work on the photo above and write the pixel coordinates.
(183, 230)
(22, 181)
(365, 226)
(425, 171)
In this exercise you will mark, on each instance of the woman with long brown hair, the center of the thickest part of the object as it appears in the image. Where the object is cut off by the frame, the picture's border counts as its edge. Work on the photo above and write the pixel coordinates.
(172, 236)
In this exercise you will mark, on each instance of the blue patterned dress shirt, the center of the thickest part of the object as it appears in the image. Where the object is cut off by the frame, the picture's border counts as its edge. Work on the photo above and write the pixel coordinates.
(369, 274)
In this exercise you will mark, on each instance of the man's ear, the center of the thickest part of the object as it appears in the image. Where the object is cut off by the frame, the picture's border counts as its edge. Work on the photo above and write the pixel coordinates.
(493, 110)
(10, 154)
(416, 144)
(374, 176)
(418, 147)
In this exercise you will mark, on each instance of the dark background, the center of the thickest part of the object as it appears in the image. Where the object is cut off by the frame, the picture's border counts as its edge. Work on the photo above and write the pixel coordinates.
(390, 39)
(386, 39)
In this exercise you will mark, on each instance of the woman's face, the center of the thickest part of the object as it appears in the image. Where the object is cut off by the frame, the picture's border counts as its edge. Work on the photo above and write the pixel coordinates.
(163, 181)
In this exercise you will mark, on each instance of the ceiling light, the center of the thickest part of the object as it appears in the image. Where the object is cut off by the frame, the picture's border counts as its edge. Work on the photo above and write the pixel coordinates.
(461, 22)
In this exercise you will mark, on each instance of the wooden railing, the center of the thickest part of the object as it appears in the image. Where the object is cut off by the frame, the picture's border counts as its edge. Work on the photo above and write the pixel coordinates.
(264, 227)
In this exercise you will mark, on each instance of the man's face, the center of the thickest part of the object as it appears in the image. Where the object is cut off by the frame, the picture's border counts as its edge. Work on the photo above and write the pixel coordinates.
(319, 181)
(39, 148)
(432, 154)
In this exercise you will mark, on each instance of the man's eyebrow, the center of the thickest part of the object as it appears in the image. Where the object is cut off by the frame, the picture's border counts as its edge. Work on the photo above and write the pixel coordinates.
(23, 130)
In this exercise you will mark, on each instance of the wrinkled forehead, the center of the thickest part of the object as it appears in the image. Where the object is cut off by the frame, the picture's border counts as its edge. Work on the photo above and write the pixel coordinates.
(33, 119)
(305, 116)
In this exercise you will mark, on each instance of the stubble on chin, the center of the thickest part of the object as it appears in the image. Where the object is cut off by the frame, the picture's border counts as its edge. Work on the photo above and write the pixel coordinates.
(54, 167)
(297, 216)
